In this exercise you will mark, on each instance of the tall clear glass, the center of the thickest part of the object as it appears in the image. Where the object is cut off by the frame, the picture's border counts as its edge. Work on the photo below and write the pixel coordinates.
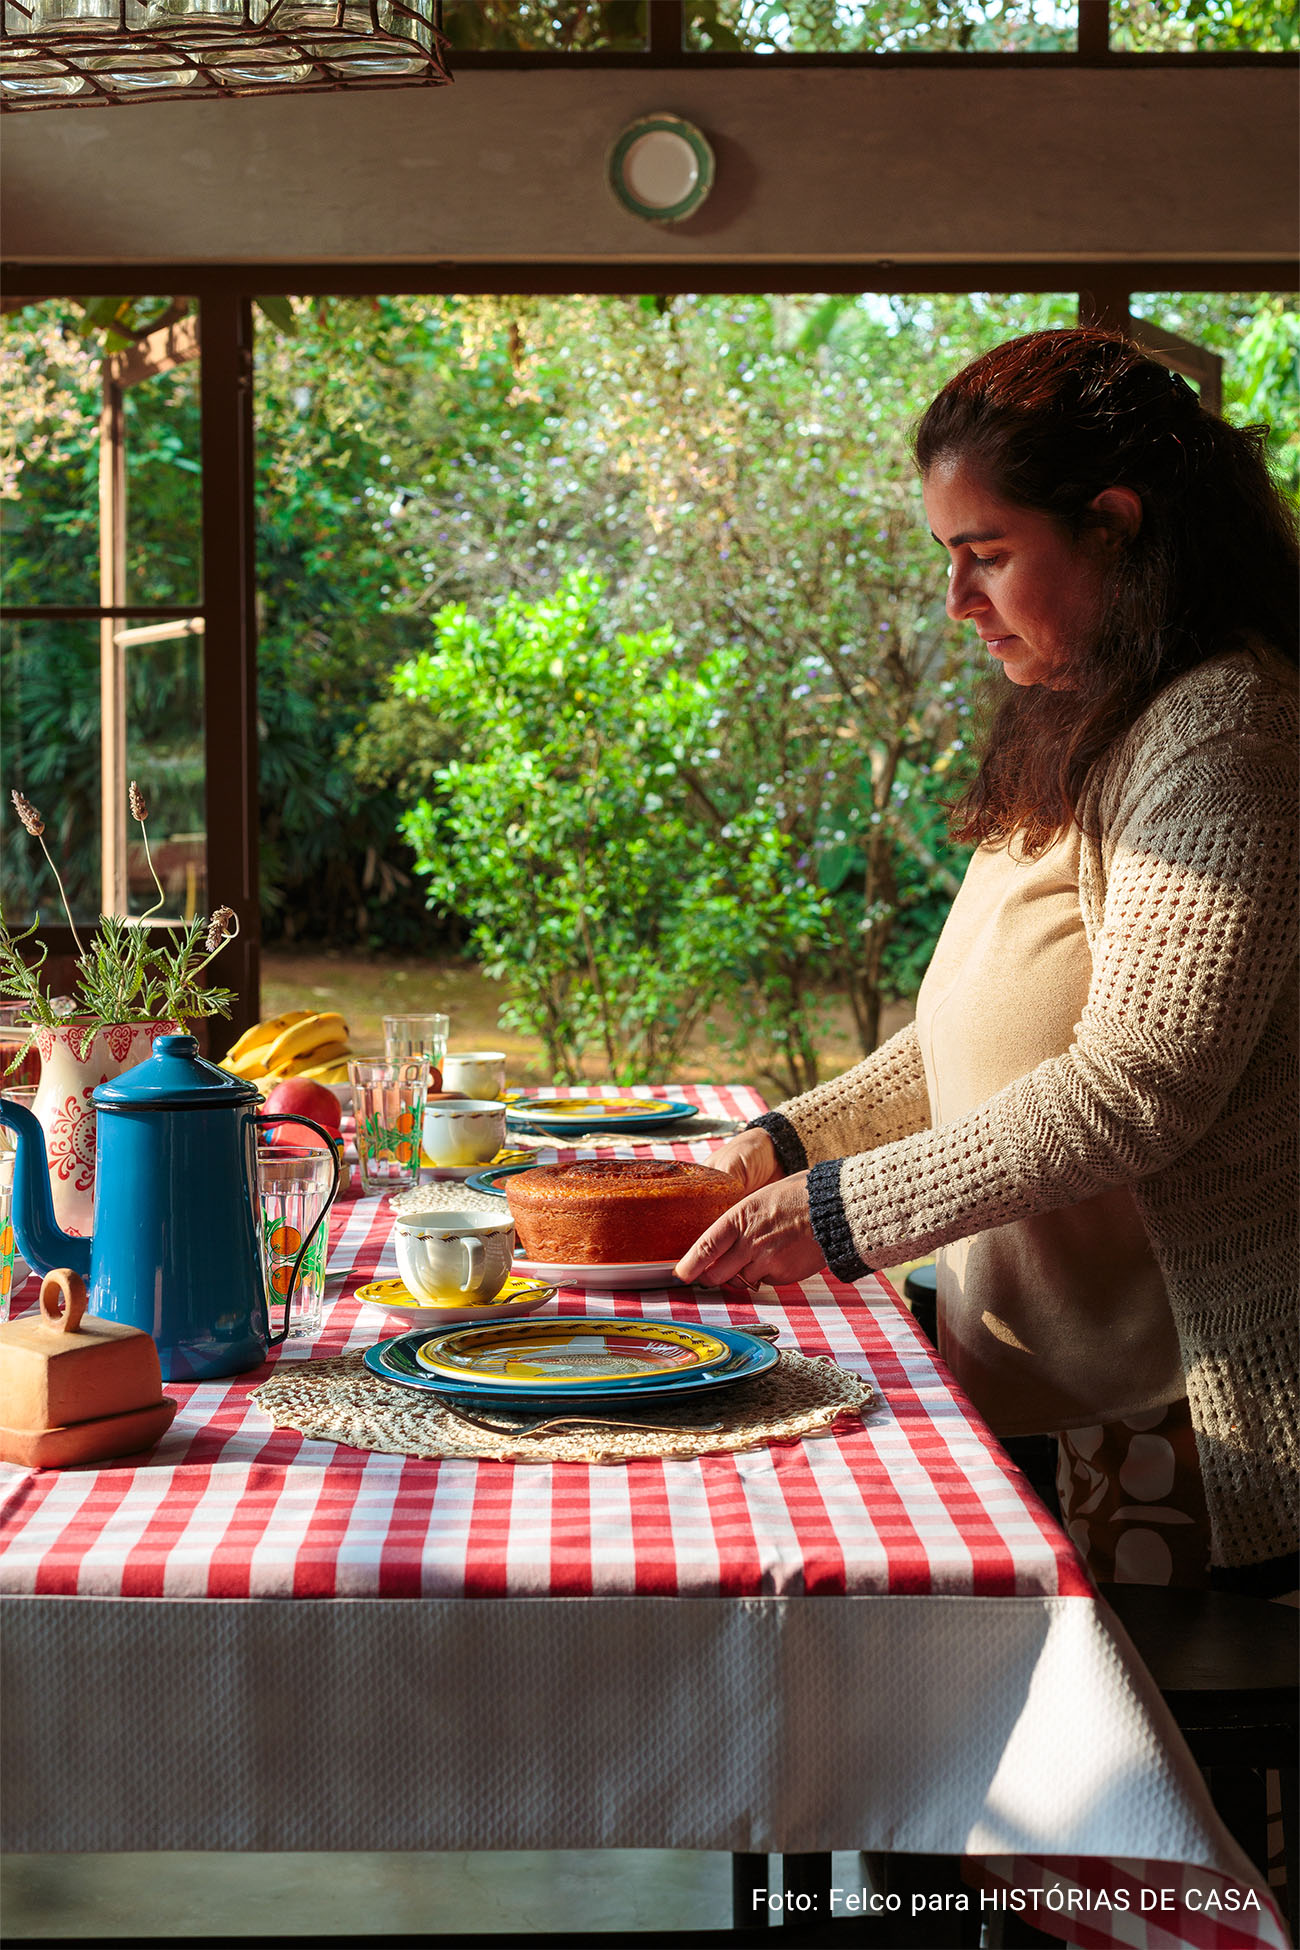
(408, 1036)
(388, 1103)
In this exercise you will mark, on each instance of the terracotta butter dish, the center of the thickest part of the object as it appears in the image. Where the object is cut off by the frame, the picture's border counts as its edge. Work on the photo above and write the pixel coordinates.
(74, 1388)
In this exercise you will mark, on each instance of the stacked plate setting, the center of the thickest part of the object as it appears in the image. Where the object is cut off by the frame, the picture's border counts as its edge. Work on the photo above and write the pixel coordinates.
(619, 1116)
(575, 1361)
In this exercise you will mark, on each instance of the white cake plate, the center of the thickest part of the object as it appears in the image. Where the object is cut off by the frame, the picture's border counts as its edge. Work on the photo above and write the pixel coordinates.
(604, 1279)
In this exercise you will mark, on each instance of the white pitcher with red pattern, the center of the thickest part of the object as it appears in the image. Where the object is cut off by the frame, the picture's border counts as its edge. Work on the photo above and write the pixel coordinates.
(75, 1058)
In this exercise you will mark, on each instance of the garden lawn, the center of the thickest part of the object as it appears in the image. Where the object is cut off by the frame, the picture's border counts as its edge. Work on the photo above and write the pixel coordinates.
(364, 989)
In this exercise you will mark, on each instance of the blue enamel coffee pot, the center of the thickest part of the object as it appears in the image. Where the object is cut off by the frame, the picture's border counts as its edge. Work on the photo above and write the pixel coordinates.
(175, 1243)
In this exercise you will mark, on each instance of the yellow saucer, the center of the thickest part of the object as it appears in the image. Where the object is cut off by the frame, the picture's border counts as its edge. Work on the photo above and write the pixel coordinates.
(517, 1297)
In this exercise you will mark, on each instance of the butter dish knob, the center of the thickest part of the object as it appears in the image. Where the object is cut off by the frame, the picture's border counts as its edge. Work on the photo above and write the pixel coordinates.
(63, 1284)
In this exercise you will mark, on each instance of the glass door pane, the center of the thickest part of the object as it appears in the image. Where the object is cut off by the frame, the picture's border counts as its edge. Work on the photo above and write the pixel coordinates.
(164, 753)
(50, 395)
(50, 751)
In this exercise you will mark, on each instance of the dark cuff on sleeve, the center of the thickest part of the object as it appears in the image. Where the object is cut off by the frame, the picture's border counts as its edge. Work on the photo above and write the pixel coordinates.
(786, 1141)
(830, 1222)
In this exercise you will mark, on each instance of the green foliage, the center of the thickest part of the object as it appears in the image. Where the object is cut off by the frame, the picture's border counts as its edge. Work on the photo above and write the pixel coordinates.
(878, 26)
(984, 26)
(1266, 384)
(570, 828)
(21, 962)
(342, 451)
(574, 28)
(1243, 26)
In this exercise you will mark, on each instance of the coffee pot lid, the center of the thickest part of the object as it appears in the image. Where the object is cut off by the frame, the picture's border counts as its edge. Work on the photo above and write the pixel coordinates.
(175, 1077)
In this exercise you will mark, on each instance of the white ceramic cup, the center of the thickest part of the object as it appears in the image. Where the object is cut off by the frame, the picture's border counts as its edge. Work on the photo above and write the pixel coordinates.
(479, 1073)
(466, 1131)
(454, 1255)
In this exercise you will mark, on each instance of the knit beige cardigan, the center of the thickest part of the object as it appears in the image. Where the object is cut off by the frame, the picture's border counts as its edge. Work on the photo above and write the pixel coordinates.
(1181, 1081)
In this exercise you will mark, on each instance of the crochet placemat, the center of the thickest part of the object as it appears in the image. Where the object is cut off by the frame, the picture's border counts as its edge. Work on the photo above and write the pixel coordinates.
(339, 1400)
(446, 1195)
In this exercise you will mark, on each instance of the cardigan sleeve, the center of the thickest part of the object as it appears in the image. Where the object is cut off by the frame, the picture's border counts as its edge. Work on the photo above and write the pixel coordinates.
(882, 1098)
(1196, 939)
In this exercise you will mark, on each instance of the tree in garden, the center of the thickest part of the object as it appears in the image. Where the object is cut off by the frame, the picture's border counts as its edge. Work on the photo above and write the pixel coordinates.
(568, 824)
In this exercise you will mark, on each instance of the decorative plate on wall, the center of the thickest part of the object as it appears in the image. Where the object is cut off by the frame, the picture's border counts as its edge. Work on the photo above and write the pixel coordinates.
(661, 168)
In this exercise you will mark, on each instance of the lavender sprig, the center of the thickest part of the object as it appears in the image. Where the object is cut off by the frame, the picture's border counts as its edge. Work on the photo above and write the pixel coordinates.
(135, 799)
(35, 825)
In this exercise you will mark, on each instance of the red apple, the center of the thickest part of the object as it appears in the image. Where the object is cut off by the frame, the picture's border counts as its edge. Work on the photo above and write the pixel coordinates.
(309, 1099)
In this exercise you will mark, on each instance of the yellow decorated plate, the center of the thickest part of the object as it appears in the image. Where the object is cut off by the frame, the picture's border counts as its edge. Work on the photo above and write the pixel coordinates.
(556, 1115)
(571, 1352)
(518, 1296)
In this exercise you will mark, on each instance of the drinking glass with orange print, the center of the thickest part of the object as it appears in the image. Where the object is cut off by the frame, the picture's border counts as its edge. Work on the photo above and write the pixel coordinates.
(388, 1103)
(6, 1232)
(295, 1184)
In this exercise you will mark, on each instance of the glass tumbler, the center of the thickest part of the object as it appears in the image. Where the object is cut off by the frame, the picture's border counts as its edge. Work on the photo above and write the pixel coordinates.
(6, 1232)
(425, 1036)
(388, 1103)
(294, 1184)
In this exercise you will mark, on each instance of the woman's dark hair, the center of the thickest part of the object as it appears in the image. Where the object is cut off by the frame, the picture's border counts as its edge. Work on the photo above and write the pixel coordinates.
(1049, 421)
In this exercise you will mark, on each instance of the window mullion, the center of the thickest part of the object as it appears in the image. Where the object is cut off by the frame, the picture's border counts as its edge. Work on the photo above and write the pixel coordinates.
(1094, 27)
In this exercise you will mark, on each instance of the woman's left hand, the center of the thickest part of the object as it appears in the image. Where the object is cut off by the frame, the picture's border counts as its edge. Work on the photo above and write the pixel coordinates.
(767, 1236)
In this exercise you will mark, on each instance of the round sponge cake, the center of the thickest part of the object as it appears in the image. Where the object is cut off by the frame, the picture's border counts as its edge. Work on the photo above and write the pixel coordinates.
(616, 1211)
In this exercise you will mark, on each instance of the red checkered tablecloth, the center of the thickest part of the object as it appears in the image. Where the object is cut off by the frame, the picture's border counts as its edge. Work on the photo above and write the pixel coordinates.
(917, 1501)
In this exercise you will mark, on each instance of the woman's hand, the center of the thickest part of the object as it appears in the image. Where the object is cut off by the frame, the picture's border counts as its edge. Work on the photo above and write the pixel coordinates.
(768, 1236)
(750, 1156)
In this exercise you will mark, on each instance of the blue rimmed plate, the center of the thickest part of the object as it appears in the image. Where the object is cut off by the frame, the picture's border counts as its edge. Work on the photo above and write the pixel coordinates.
(492, 1178)
(620, 1116)
(396, 1361)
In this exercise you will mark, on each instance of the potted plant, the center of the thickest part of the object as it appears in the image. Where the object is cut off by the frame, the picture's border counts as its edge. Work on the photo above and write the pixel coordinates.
(130, 987)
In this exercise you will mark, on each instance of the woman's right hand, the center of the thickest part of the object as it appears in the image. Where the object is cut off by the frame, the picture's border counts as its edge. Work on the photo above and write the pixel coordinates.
(750, 1156)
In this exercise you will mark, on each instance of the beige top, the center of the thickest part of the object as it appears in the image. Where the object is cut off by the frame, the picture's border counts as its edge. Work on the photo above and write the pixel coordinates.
(1179, 1081)
(1059, 1319)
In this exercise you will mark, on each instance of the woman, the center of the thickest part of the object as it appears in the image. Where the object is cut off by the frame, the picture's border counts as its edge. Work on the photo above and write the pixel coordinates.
(1093, 1116)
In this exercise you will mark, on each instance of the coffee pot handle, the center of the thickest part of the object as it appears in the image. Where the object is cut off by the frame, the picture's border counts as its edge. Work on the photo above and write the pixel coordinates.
(333, 1146)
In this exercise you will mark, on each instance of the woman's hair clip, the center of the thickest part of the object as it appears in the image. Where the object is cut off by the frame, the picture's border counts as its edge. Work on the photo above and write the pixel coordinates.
(1185, 395)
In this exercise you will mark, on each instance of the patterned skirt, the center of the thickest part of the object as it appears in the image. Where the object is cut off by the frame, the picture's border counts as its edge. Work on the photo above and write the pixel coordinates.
(1132, 1499)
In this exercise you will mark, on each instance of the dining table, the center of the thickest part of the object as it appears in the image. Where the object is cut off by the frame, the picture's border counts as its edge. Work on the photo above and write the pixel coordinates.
(873, 1637)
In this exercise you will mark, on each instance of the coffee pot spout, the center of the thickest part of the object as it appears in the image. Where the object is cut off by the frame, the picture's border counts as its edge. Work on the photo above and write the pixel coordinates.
(40, 1240)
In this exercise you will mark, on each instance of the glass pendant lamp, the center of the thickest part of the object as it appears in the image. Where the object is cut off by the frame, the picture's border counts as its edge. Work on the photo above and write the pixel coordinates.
(98, 52)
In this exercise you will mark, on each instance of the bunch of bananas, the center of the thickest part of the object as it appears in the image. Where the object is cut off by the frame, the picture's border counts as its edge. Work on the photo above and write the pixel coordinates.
(296, 1044)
